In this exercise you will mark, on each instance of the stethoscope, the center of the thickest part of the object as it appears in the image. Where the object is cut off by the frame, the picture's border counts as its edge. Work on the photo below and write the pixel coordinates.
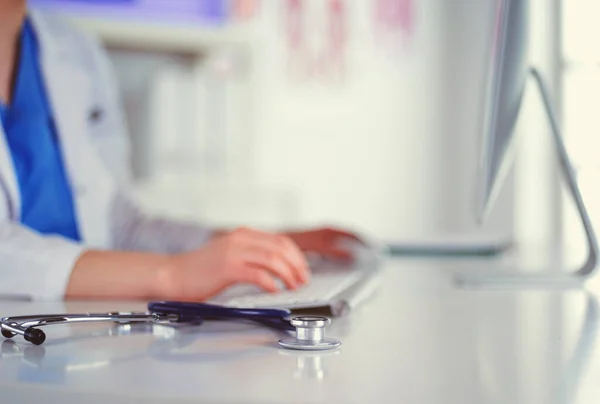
(169, 343)
(309, 330)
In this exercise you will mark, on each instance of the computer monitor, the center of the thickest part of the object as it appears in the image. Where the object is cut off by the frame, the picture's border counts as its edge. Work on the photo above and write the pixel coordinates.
(508, 74)
(508, 70)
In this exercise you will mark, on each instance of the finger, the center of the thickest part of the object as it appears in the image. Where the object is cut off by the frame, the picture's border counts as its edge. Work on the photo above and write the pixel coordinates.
(273, 262)
(257, 276)
(302, 268)
(285, 248)
(338, 233)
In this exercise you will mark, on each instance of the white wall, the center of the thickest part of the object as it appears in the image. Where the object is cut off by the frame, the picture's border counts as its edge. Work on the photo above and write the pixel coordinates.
(363, 152)
(538, 195)
(389, 150)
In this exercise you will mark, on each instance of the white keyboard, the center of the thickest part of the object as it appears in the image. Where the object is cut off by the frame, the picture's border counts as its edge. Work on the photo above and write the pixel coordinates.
(328, 286)
(333, 285)
(321, 289)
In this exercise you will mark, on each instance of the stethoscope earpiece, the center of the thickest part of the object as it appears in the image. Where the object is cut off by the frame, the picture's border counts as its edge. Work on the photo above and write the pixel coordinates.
(33, 335)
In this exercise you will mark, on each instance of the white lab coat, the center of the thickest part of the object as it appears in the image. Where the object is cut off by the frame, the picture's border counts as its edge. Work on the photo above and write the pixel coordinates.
(84, 98)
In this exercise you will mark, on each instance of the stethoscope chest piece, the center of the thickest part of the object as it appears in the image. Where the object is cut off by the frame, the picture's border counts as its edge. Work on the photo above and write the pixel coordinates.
(310, 334)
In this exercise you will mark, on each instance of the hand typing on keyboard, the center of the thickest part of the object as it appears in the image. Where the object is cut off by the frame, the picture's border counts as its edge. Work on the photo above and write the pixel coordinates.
(247, 256)
(333, 276)
(330, 244)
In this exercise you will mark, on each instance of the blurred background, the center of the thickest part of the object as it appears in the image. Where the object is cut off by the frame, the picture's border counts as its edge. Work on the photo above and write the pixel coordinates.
(360, 113)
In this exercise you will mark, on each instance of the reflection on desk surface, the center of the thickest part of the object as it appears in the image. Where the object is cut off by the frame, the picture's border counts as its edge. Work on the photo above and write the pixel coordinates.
(418, 340)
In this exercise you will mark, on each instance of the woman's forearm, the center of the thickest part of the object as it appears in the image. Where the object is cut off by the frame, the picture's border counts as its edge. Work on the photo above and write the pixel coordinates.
(119, 275)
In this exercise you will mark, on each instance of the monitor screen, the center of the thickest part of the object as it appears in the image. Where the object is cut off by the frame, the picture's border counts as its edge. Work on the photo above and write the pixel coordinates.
(509, 66)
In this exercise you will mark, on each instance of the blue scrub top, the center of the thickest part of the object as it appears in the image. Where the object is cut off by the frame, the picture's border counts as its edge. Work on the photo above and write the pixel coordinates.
(46, 197)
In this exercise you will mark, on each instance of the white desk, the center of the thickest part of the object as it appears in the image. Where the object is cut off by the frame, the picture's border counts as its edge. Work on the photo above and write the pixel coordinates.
(417, 341)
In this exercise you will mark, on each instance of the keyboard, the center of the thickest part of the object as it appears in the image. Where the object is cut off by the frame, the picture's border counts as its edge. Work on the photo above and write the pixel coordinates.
(334, 287)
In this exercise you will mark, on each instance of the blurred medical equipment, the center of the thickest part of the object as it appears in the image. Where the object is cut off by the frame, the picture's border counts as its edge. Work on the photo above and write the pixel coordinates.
(394, 22)
(335, 54)
(316, 56)
(310, 330)
(509, 72)
(245, 9)
(335, 287)
(294, 27)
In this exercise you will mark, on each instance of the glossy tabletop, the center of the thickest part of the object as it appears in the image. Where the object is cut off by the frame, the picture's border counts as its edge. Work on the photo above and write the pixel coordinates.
(419, 339)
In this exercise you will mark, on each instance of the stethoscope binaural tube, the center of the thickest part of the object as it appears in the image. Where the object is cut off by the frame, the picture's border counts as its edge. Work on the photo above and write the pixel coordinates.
(25, 325)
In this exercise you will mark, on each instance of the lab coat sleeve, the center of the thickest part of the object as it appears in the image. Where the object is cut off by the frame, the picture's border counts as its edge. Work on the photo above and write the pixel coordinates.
(33, 266)
(132, 228)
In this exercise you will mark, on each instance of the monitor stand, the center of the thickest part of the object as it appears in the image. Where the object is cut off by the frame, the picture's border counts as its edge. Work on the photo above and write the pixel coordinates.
(521, 279)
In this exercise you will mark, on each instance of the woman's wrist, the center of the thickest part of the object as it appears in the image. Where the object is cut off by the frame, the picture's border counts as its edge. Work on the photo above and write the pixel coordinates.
(115, 274)
(165, 281)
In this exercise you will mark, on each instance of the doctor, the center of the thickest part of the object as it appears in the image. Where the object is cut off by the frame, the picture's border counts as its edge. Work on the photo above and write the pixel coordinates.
(68, 228)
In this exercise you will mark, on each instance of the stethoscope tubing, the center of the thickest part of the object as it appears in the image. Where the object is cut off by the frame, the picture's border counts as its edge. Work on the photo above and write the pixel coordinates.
(273, 318)
(158, 312)
(212, 310)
